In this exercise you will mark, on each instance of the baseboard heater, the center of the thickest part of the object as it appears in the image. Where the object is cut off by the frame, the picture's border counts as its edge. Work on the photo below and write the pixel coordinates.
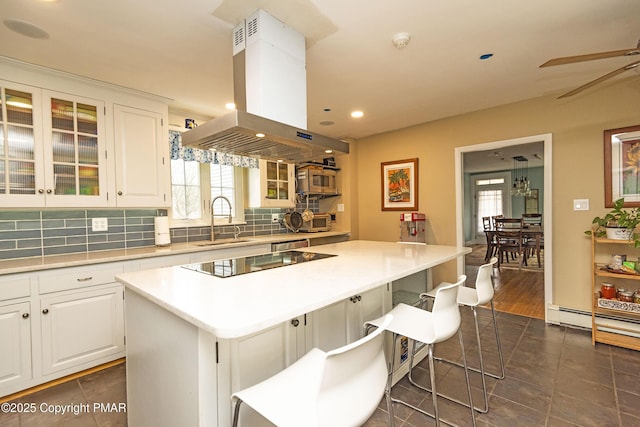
(582, 319)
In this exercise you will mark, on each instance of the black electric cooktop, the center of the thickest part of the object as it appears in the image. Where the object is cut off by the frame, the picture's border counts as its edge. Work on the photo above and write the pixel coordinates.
(243, 265)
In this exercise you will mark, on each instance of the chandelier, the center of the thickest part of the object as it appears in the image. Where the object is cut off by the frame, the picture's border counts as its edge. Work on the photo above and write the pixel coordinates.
(520, 179)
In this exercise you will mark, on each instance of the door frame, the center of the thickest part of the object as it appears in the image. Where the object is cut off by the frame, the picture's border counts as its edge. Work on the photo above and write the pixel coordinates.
(548, 206)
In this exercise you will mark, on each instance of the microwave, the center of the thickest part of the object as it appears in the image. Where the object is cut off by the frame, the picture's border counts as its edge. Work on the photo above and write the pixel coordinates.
(314, 180)
(319, 222)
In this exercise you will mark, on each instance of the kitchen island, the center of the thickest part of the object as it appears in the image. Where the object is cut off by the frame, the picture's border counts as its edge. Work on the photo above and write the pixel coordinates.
(193, 338)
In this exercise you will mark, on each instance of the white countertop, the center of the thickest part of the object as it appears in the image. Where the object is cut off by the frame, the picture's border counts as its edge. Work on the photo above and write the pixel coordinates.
(233, 307)
(21, 265)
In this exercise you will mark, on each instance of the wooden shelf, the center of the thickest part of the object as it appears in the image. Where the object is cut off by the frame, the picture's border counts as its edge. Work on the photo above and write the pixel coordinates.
(613, 322)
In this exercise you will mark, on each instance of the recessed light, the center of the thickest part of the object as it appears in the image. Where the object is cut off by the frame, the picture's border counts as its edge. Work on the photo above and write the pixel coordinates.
(25, 28)
(230, 106)
(328, 151)
(326, 110)
(326, 123)
(485, 56)
(357, 114)
(260, 135)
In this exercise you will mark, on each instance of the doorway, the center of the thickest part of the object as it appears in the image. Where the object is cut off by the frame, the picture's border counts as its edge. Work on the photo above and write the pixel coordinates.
(464, 220)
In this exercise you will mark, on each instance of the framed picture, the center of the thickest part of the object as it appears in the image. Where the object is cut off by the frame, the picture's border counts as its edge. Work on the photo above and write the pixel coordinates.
(622, 166)
(399, 185)
(531, 202)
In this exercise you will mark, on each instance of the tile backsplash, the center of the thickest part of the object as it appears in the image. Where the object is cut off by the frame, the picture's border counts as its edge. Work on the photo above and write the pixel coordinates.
(34, 233)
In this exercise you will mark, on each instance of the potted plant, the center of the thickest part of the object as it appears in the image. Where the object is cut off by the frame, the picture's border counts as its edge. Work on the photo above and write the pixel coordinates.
(618, 224)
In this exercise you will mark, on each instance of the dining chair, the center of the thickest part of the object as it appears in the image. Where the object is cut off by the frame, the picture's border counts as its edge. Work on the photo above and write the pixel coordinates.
(509, 239)
(342, 387)
(533, 241)
(428, 327)
(490, 238)
(474, 297)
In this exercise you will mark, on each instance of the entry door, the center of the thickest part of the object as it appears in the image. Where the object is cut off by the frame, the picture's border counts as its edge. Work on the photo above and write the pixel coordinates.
(491, 197)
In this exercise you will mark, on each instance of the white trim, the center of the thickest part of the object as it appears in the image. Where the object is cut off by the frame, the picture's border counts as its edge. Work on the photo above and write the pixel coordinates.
(548, 207)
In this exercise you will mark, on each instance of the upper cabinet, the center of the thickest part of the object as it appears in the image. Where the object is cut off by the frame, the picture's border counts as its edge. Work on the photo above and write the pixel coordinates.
(74, 151)
(66, 141)
(141, 158)
(273, 185)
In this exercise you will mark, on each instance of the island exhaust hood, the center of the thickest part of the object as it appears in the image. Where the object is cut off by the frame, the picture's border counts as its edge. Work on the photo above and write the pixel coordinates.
(270, 95)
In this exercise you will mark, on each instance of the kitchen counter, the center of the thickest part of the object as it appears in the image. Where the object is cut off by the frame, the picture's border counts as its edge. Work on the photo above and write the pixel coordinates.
(22, 265)
(193, 339)
(233, 307)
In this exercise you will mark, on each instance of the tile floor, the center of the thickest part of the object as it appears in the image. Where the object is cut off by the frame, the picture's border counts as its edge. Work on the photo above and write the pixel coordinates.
(554, 377)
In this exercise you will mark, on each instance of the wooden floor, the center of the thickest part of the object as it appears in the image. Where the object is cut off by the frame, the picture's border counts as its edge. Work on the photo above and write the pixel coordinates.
(516, 291)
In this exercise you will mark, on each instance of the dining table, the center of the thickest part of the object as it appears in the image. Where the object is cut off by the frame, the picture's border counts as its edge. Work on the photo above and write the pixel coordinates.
(533, 234)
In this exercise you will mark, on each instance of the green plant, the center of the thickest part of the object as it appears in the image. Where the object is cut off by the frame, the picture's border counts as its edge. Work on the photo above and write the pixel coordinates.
(620, 218)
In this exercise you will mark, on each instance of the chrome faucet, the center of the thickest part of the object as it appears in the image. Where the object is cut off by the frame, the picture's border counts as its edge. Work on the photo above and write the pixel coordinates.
(213, 213)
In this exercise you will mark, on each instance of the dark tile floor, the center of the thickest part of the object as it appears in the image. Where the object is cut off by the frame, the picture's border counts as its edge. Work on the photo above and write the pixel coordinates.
(554, 377)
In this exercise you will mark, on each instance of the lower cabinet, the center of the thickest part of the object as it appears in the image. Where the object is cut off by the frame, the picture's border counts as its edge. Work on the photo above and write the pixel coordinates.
(342, 323)
(80, 327)
(15, 351)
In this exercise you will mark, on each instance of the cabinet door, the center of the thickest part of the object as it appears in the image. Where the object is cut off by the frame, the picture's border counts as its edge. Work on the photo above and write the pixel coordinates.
(329, 325)
(141, 158)
(259, 356)
(79, 327)
(75, 150)
(15, 351)
(21, 163)
(273, 185)
(366, 306)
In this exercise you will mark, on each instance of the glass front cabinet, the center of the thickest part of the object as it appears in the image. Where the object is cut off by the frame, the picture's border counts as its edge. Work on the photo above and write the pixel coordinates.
(52, 149)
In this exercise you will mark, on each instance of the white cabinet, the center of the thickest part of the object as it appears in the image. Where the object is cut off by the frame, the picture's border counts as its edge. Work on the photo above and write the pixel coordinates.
(142, 164)
(74, 150)
(278, 347)
(15, 351)
(273, 185)
(79, 327)
(21, 162)
(342, 323)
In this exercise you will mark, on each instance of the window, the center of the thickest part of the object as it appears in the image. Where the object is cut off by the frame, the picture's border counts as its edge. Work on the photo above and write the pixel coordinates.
(195, 184)
(185, 190)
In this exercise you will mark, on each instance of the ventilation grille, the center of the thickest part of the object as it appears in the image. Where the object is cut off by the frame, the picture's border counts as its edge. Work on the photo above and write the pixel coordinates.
(252, 27)
(238, 36)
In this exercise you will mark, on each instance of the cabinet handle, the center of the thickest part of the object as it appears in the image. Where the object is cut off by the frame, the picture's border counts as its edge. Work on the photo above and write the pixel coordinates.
(41, 191)
(295, 323)
(25, 315)
(45, 311)
(119, 193)
(85, 279)
(355, 299)
(49, 191)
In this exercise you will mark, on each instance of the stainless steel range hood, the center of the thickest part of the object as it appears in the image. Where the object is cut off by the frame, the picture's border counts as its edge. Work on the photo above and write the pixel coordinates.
(235, 133)
(270, 94)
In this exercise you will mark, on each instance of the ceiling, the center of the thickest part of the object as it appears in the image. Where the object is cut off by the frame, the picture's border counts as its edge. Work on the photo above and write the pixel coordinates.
(182, 50)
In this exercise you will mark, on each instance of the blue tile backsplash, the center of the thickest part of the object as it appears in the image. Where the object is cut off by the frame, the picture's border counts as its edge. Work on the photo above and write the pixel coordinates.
(35, 233)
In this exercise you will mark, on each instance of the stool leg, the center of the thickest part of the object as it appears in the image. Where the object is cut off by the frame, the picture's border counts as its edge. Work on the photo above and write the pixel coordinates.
(466, 374)
(482, 373)
(236, 412)
(495, 327)
(434, 394)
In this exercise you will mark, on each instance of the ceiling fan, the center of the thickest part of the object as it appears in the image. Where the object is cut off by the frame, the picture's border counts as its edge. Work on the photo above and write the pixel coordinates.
(591, 56)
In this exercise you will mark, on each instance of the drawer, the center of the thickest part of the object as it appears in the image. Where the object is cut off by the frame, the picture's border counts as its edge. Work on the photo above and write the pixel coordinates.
(79, 277)
(14, 287)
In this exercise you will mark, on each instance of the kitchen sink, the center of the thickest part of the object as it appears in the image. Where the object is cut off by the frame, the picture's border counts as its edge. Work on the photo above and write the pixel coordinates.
(221, 242)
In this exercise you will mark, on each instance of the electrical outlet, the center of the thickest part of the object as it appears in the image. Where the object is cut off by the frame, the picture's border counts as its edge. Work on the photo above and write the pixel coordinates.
(274, 217)
(99, 224)
(340, 207)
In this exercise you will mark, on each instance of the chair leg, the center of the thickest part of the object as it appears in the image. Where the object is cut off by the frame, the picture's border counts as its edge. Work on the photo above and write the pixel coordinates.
(485, 409)
(434, 393)
(466, 374)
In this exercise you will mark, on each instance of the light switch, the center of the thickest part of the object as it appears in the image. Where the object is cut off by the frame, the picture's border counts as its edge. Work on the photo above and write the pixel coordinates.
(581, 204)
(340, 207)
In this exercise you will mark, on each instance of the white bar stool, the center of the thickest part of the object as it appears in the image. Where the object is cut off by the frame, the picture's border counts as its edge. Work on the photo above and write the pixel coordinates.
(342, 387)
(430, 328)
(470, 297)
